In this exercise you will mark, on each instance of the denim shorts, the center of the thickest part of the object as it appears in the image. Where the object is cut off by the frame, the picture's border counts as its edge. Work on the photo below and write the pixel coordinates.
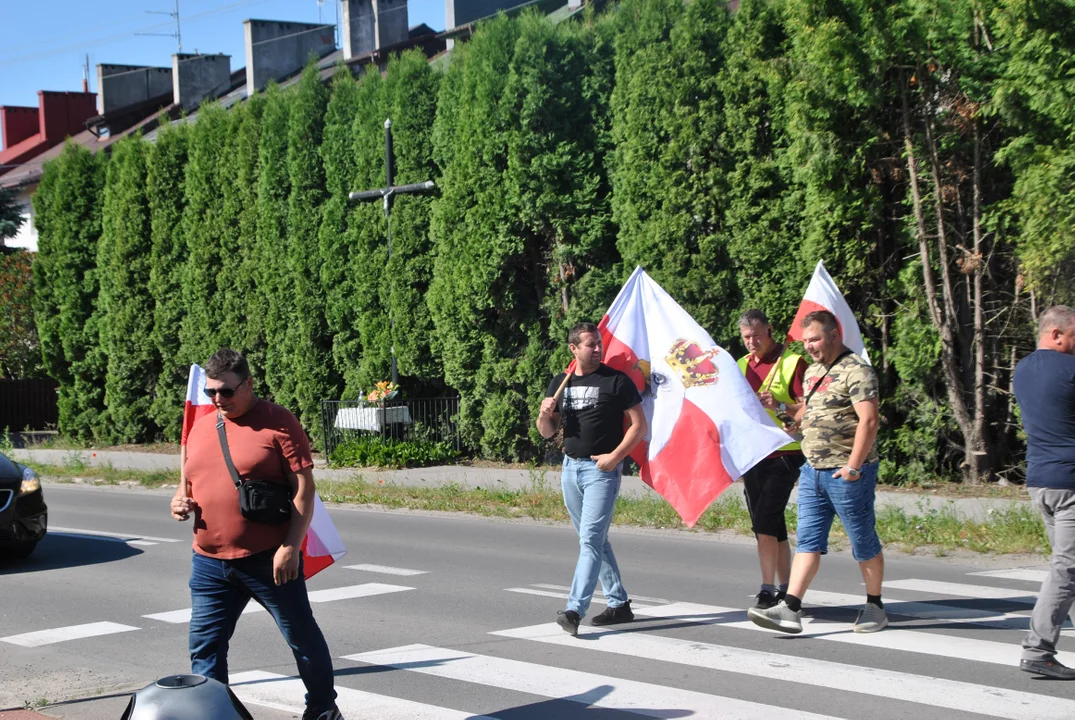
(822, 497)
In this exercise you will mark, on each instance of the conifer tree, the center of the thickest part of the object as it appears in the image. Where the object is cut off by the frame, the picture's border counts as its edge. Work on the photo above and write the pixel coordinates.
(124, 302)
(68, 209)
(165, 195)
(307, 343)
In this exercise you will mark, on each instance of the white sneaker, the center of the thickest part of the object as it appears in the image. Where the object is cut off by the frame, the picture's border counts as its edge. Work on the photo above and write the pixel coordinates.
(779, 617)
(871, 619)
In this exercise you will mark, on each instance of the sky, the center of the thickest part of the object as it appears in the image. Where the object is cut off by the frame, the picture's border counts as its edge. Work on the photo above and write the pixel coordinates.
(43, 43)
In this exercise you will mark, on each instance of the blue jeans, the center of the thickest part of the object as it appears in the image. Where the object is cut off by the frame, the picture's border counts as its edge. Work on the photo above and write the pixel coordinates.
(590, 498)
(822, 496)
(220, 589)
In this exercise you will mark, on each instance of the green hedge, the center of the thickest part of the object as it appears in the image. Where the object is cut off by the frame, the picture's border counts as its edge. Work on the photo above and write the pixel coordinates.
(725, 152)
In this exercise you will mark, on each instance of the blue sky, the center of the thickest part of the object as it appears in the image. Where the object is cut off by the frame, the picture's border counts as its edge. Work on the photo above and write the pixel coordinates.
(45, 41)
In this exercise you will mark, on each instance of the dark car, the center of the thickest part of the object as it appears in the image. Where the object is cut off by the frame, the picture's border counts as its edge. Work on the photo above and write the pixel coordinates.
(23, 513)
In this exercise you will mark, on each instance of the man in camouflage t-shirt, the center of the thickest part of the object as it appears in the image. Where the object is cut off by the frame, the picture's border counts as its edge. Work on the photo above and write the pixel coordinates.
(839, 418)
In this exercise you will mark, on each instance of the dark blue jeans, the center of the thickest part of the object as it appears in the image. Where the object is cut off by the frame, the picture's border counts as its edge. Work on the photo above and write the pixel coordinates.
(220, 590)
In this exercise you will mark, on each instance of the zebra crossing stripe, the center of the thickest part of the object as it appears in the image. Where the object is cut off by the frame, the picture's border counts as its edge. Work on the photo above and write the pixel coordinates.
(937, 692)
(385, 569)
(891, 638)
(588, 689)
(350, 592)
(63, 634)
(978, 592)
(927, 611)
(1028, 574)
(281, 692)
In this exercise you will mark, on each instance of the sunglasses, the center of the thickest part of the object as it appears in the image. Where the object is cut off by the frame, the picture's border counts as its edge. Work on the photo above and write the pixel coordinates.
(225, 392)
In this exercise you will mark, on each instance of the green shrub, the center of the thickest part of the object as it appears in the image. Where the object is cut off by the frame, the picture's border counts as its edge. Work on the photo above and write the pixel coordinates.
(373, 451)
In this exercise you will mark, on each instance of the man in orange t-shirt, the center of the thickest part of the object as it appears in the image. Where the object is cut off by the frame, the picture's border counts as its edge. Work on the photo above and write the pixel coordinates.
(236, 559)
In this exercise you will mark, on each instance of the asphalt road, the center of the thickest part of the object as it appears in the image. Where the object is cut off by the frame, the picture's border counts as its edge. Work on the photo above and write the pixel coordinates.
(450, 616)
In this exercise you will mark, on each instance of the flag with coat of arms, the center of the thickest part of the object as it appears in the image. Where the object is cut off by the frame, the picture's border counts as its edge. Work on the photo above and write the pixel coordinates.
(706, 425)
(322, 545)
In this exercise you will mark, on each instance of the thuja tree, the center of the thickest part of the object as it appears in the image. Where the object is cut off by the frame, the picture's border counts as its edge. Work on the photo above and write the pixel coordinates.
(482, 297)
(68, 211)
(367, 248)
(165, 195)
(336, 237)
(203, 225)
(669, 166)
(410, 100)
(124, 302)
(557, 104)
(274, 187)
(762, 212)
(307, 344)
(240, 328)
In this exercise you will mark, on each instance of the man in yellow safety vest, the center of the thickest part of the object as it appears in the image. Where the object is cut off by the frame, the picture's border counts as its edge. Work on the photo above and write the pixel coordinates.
(775, 373)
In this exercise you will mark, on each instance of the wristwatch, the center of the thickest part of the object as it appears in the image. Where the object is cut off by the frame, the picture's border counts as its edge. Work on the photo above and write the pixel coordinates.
(783, 407)
(852, 472)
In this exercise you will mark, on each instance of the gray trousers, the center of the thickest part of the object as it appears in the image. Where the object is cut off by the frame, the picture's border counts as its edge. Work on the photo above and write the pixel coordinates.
(1057, 508)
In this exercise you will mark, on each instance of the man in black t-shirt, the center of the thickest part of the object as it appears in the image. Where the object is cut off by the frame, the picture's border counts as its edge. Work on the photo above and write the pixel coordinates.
(591, 404)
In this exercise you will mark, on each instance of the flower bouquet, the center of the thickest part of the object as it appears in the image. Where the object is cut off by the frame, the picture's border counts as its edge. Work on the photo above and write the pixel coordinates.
(383, 390)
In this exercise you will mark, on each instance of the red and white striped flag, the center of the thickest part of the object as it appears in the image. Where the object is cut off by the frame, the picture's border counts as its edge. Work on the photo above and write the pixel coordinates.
(706, 426)
(322, 545)
(822, 294)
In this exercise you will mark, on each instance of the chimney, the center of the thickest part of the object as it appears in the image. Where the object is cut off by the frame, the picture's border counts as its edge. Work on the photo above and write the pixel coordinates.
(121, 86)
(199, 77)
(19, 124)
(63, 114)
(276, 50)
(370, 25)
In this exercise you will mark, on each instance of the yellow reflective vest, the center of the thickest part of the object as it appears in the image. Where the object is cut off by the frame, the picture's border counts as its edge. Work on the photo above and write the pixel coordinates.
(779, 384)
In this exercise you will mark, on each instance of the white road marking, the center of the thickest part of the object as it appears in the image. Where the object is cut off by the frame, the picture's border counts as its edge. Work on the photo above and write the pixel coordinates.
(598, 593)
(287, 693)
(122, 537)
(891, 638)
(978, 592)
(178, 617)
(1028, 574)
(563, 596)
(937, 692)
(589, 689)
(945, 613)
(63, 634)
(385, 569)
(355, 591)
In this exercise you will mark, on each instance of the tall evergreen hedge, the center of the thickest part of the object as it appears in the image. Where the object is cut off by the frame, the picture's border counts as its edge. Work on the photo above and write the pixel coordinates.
(921, 149)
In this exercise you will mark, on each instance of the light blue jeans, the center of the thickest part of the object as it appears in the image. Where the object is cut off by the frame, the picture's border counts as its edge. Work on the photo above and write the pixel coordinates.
(590, 497)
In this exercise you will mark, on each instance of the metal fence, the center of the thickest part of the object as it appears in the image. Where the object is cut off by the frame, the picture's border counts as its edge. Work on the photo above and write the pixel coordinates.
(28, 405)
(432, 419)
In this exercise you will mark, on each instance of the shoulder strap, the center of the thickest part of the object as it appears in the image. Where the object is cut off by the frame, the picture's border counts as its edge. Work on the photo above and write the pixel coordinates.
(227, 452)
(773, 371)
(817, 384)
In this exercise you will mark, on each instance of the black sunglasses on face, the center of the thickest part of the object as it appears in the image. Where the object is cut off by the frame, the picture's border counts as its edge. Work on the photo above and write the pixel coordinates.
(223, 392)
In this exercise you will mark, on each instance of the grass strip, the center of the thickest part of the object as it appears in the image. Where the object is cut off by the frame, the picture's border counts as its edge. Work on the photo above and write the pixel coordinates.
(1016, 529)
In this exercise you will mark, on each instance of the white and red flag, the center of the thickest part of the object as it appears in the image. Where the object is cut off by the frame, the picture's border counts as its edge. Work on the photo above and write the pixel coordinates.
(706, 426)
(322, 545)
(822, 294)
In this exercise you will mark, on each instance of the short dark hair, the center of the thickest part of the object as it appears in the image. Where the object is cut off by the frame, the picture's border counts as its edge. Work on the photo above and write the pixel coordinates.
(583, 328)
(752, 316)
(226, 360)
(824, 317)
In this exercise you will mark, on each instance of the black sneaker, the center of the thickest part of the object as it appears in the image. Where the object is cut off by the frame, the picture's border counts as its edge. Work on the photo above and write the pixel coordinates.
(332, 714)
(614, 615)
(569, 620)
(767, 600)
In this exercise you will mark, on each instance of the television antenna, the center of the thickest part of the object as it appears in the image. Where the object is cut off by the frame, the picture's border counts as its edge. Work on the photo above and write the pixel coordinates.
(174, 14)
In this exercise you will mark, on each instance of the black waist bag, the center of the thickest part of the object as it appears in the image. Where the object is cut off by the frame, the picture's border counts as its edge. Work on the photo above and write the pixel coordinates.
(260, 501)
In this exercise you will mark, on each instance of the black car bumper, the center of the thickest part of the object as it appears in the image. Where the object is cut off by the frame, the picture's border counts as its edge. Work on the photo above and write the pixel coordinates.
(24, 519)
